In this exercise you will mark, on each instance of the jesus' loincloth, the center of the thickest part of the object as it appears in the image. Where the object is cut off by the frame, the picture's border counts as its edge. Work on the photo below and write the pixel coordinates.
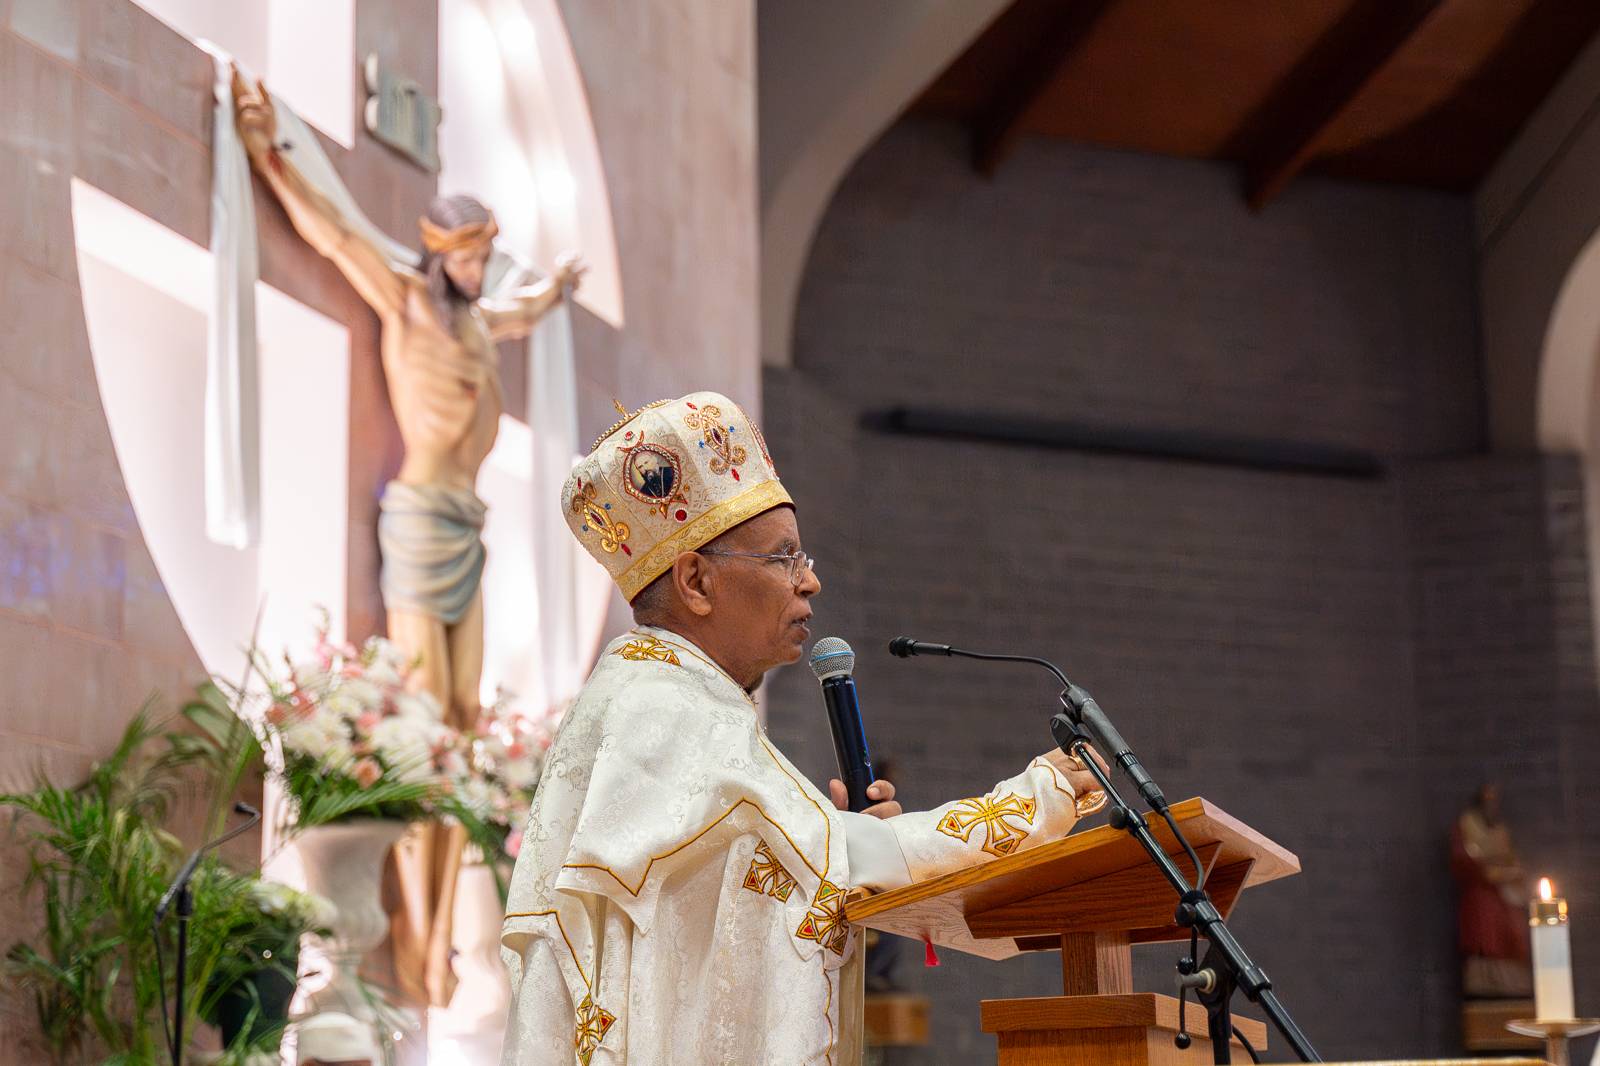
(433, 553)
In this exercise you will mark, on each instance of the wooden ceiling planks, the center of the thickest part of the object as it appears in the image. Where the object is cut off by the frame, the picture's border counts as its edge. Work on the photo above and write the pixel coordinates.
(1426, 92)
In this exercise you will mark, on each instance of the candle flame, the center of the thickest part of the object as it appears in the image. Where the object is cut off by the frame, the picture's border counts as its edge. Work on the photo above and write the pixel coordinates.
(1545, 892)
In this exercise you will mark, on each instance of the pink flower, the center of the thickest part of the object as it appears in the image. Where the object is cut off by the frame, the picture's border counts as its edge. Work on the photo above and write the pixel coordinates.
(368, 720)
(367, 772)
(513, 843)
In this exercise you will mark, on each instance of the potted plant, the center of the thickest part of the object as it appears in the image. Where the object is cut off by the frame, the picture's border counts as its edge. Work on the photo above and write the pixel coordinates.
(99, 861)
(248, 996)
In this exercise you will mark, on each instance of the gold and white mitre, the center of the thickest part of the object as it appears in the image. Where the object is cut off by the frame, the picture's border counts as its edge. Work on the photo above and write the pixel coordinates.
(666, 479)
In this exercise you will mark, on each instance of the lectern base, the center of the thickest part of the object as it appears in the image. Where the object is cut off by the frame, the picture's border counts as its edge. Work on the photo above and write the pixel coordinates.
(1121, 1030)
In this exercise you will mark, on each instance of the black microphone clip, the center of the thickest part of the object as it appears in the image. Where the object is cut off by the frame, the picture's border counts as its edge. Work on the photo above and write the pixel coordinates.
(178, 890)
(906, 647)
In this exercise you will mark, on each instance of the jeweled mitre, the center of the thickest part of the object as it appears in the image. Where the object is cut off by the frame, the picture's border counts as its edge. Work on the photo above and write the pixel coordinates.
(666, 479)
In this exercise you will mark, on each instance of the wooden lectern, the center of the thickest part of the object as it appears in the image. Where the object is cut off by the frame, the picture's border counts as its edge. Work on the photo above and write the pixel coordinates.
(1090, 896)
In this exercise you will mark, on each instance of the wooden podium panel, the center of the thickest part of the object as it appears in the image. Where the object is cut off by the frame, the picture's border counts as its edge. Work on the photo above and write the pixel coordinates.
(1125, 1030)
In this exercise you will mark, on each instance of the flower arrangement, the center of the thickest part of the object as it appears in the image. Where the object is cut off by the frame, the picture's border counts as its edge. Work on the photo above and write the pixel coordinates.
(502, 759)
(354, 742)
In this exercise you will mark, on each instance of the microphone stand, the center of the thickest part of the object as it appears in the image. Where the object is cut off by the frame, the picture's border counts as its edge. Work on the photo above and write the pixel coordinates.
(1195, 910)
(179, 893)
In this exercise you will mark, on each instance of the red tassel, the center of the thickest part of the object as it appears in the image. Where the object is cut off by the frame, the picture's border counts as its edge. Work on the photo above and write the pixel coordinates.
(930, 957)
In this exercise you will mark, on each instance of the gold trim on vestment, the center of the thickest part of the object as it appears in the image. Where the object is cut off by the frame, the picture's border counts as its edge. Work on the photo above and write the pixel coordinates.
(704, 529)
(827, 823)
(563, 930)
(827, 1007)
(696, 655)
(668, 854)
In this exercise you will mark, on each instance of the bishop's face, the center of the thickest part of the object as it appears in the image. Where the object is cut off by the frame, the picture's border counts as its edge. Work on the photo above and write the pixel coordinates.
(760, 611)
(465, 267)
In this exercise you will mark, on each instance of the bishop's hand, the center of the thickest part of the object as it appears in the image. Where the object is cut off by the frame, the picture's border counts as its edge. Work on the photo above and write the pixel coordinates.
(879, 790)
(1083, 782)
(254, 115)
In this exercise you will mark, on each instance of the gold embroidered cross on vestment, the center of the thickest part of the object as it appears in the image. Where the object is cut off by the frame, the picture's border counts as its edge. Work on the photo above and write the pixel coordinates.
(649, 649)
(824, 922)
(995, 815)
(593, 1024)
(767, 875)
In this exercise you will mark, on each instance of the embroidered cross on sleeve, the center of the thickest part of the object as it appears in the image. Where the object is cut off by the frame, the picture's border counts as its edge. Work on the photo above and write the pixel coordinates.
(1004, 820)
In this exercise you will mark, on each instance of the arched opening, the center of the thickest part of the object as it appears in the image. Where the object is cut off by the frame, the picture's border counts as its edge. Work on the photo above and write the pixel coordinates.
(1569, 389)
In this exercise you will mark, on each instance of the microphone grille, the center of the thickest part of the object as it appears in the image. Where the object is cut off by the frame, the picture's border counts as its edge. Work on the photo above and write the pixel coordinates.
(831, 657)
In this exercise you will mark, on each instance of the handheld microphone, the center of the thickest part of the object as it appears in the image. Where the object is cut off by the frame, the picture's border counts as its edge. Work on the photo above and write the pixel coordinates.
(832, 661)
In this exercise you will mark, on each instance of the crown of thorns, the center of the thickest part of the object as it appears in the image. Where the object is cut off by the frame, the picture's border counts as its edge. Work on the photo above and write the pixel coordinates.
(438, 240)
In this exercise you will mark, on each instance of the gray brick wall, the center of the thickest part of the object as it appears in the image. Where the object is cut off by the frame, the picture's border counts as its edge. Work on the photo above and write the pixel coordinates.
(1328, 659)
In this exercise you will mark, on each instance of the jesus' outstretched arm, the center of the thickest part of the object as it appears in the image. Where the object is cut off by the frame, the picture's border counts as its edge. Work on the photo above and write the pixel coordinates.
(314, 216)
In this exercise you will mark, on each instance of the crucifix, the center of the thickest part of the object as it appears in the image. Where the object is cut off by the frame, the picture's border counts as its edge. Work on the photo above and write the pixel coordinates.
(439, 337)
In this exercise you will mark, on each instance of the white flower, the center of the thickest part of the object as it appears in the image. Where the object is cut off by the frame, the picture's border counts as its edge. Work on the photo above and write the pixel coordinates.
(453, 764)
(341, 706)
(310, 677)
(478, 794)
(406, 746)
(361, 692)
(319, 737)
(273, 897)
(521, 773)
(418, 706)
(381, 651)
(276, 898)
(385, 669)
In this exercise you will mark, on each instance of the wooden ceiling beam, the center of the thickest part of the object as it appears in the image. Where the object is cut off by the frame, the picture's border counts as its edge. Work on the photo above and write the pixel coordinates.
(1277, 141)
(1000, 122)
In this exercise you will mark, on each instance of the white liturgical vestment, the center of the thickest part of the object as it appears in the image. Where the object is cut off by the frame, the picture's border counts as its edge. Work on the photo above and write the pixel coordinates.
(678, 895)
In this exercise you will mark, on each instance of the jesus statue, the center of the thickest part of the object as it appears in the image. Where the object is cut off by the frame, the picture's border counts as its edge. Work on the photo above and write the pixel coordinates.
(439, 333)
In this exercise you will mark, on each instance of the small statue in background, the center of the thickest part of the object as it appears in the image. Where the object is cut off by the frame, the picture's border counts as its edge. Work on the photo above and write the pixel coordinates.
(1492, 904)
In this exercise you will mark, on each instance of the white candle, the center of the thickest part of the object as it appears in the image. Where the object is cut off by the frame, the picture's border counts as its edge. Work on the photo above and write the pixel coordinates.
(1552, 956)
